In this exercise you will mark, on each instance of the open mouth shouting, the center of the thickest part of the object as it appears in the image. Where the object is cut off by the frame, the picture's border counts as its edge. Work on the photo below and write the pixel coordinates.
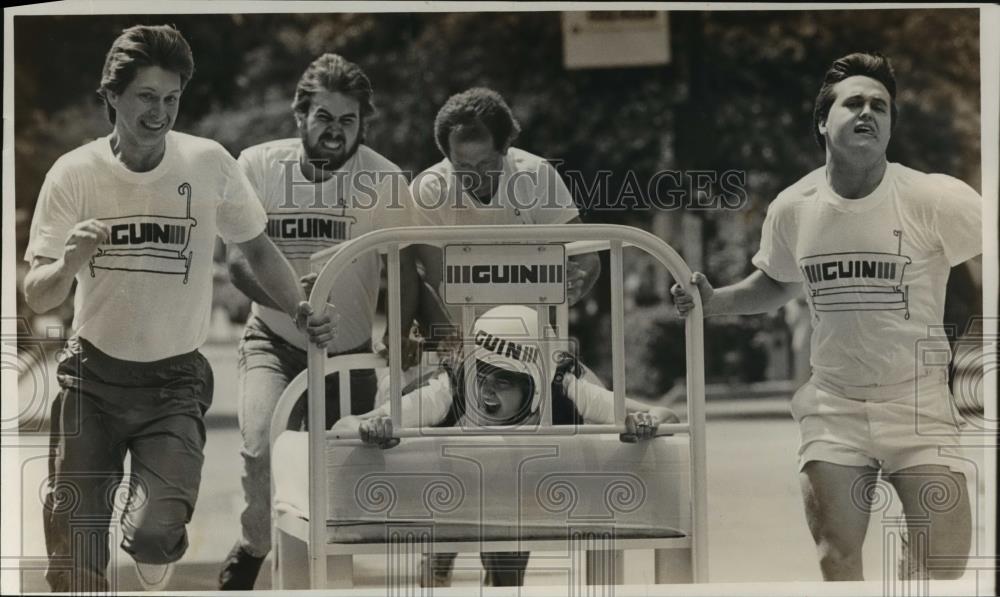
(866, 128)
(332, 143)
(491, 405)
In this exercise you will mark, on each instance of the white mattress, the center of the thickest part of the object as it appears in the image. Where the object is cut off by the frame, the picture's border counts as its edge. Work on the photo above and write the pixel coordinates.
(494, 487)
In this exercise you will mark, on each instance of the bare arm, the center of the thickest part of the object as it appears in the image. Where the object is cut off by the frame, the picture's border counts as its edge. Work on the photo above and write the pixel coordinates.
(272, 274)
(433, 315)
(409, 302)
(49, 280)
(757, 293)
(597, 405)
(582, 273)
(431, 259)
(244, 279)
(427, 405)
(373, 429)
(47, 283)
(975, 266)
(277, 278)
(635, 406)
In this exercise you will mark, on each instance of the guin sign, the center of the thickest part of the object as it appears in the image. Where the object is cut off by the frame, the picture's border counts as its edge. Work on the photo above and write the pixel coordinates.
(505, 273)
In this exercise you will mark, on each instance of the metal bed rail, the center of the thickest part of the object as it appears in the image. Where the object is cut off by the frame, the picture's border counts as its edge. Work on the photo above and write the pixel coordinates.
(581, 238)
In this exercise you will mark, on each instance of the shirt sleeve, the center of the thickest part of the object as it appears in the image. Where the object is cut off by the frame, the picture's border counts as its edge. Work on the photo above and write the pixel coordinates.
(555, 202)
(252, 170)
(775, 257)
(239, 214)
(395, 203)
(427, 192)
(958, 221)
(56, 212)
(425, 406)
(596, 404)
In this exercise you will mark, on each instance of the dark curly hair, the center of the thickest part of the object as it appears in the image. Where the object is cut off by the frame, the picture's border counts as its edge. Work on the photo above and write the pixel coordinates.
(142, 46)
(866, 64)
(474, 107)
(334, 73)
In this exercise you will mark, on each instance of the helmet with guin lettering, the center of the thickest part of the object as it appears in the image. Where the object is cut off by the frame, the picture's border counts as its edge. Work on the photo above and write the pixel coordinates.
(507, 338)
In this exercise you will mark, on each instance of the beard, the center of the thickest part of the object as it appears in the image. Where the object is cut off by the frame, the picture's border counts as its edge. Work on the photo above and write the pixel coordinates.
(326, 160)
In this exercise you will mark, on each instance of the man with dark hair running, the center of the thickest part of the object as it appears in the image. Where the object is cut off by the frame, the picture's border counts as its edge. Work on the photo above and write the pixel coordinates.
(871, 243)
(132, 218)
(320, 189)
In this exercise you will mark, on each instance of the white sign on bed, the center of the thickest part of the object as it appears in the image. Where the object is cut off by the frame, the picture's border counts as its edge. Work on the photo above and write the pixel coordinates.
(532, 274)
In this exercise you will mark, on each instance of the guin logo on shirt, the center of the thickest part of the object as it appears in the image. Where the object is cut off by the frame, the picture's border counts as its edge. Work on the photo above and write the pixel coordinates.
(302, 233)
(156, 244)
(858, 281)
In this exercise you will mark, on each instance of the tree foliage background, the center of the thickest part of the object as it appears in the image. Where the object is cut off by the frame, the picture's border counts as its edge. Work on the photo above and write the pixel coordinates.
(737, 95)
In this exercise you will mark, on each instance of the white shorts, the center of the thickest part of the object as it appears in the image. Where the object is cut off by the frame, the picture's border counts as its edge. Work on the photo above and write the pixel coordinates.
(886, 427)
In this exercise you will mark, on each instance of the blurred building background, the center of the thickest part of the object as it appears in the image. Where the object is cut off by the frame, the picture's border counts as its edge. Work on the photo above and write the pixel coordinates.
(735, 96)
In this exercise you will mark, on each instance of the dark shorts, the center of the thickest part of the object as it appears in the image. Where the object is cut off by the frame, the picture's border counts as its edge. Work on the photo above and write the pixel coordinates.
(109, 407)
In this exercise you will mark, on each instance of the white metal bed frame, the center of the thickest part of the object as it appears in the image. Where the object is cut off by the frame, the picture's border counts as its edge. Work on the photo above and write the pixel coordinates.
(579, 238)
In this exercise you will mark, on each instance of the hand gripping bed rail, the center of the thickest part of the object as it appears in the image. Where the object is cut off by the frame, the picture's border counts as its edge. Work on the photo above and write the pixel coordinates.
(580, 238)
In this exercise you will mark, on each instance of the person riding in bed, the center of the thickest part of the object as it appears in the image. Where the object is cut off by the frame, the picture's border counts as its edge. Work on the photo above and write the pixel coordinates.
(503, 388)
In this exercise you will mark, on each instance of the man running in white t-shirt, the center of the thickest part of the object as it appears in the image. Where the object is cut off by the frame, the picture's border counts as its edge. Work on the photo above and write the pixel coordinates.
(133, 217)
(871, 243)
(483, 180)
(320, 189)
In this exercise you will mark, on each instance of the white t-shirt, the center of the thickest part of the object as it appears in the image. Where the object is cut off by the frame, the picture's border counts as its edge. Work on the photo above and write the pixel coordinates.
(368, 193)
(429, 404)
(530, 191)
(874, 269)
(147, 293)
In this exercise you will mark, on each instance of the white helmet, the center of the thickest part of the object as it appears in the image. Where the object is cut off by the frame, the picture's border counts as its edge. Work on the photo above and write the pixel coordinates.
(507, 337)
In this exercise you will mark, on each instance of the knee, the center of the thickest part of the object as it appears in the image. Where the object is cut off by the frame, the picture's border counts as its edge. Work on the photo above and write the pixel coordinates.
(256, 440)
(157, 543)
(839, 559)
(256, 452)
